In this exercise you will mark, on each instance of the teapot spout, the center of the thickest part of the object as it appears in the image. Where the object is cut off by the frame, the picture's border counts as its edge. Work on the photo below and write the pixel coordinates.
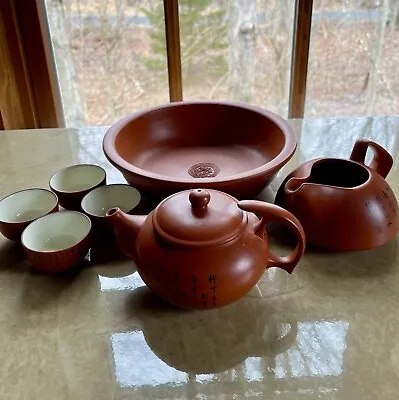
(294, 185)
(126, 228)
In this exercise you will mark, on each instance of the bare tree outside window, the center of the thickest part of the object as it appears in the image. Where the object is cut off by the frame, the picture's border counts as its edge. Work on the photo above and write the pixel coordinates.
(111, 55)
(353, 58)
(108, 42)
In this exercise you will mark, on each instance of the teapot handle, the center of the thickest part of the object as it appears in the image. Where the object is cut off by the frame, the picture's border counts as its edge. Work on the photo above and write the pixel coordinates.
(269, 213)
(382, 161)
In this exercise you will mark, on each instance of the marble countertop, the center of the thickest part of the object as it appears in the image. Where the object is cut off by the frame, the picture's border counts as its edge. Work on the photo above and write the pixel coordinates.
(328, 331)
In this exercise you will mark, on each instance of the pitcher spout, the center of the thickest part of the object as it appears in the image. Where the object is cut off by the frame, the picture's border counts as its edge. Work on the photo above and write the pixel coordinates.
(294, 185)
(126, 228)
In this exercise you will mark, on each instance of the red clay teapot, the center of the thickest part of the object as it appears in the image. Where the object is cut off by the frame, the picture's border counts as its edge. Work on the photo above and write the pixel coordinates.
(202, 248)
(343, 204)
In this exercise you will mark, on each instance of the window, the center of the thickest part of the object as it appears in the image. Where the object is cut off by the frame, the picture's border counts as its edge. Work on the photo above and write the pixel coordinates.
(354, 55)
(113, 57)
(109, 57)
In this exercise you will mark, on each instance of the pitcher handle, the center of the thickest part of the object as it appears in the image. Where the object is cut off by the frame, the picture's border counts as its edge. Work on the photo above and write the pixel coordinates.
(382, 161)
(269, 213)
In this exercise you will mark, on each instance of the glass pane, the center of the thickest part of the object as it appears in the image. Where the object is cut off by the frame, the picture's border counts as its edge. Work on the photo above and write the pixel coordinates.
(354, 57)
(104, 53)
(237, 50)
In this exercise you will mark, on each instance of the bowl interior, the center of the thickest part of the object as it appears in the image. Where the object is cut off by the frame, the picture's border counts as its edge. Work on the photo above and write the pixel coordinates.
(198, 140)
(100, 200)
(55, 232)
(77, 178)
(27, 205)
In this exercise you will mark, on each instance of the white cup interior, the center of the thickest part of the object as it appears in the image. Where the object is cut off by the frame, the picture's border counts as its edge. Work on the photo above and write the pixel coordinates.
(55, 232)
(77, 178)
(102, 199)
(27, 205)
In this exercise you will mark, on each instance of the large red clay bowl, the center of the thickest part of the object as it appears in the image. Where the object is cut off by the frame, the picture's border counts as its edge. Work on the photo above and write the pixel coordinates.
(231, 147)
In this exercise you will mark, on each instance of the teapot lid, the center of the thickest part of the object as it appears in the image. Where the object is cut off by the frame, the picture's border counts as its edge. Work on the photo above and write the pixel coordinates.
(199, 218)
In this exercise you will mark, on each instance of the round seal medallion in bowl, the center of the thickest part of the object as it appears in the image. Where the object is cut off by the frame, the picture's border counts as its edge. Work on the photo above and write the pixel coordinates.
(204, 170)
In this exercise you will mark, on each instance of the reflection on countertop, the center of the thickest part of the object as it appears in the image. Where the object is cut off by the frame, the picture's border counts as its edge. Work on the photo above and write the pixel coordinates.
(174, 350)
(318, 351)
(328, 331)
(129, 282)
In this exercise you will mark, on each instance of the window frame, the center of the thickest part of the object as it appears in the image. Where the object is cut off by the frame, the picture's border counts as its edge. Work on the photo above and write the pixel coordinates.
(31, 96)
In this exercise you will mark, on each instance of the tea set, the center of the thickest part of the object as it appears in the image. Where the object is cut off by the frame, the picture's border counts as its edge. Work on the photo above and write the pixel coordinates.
(201, 247)
(57, 241)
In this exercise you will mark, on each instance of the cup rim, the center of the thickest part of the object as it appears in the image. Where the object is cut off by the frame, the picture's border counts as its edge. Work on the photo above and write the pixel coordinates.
(55, 215)
(31, 219)
(103, 188)
(72, 167)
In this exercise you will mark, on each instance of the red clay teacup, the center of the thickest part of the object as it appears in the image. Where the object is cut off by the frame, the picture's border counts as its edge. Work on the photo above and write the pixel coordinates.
(57, 242)
(19, 209)
(97, 202)
(72, 183)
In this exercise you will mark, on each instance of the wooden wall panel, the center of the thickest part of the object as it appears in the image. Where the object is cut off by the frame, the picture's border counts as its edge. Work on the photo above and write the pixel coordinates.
(29, 94)
(16, 99)
(1, 122)
(40, 63)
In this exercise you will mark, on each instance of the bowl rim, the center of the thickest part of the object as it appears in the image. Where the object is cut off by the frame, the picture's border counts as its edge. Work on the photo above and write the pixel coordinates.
(55, 215)
(30, 219)
(271, 167)
(98, 189)
(69, 167)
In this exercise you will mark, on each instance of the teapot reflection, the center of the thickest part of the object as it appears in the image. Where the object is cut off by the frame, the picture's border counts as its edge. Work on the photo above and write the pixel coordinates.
(212, 341)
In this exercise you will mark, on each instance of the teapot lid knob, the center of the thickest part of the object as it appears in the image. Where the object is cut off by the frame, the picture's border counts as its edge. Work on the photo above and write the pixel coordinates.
(199, 198)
